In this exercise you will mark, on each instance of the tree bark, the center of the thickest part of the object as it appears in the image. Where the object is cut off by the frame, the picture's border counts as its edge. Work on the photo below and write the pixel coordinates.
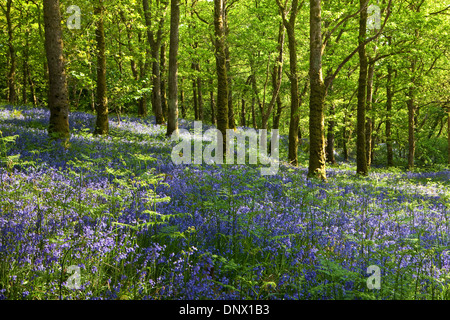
(330, 137)
(293, 77)
(172, 120)
(154, 41)
(448, 134)
(389, 97)
(231, 120)
(12, 97)
(183, 106)
(200, 96)
(411, 127)
(101, 105)
(163, 80)
(361, 160)
(317, 95)
(369, 122)
(222, 80)
(195, 99)
(212, 104)
(58, 100)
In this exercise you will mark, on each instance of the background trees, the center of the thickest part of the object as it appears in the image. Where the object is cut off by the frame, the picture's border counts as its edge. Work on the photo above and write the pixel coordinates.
(272, 58)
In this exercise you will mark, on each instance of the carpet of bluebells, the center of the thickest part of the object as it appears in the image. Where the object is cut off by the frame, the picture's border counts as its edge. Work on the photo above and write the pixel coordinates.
(140, 227)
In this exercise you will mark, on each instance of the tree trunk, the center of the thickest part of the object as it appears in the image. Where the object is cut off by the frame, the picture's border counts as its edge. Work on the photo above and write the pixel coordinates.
(32, 89)
(101, 105)
(448, 134)
(231, 120)
(330, 137)
(369, 122)
(183, 106)
(344, 140)
(12, 98)
(389, 97)
(58, 100)
(155, 43)
(317, 95)
(195, 99)
(411, 128)
(255, 126)
(163, 80)
(222, 80)
(172, 120)
(243, 112)
(200, 96)
(361, 160)
(213, 105)
(293, 77)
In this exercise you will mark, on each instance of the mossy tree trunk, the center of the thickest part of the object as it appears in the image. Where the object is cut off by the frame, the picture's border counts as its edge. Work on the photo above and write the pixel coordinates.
(58, 98)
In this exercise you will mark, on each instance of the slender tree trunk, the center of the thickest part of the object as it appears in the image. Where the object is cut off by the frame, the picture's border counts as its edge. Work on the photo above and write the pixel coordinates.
(344, 140)
(293, 77)
(222, 80)
(195, 99)
(183, 106)
(369, 122)
(411, 128)
(213, 105)
(163, 80)
(361, 161)
(389, 96)
(155, 44)
(317, 95)
(276, 79)
(243, 112)
(231, 120)
(58, 100)
(200, 96)
(12, 57)
(156, 96)
(101, 105)
(172, 120)
(330, 137)
(448, 133)
(277, 73)
(32, 88)
(24, 78)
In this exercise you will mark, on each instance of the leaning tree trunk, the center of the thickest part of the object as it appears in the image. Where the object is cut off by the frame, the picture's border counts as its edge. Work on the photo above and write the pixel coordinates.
(222, 80)
(317, 95)
(101, 105)
(172, 119)
(58, 100)
(361, 161)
